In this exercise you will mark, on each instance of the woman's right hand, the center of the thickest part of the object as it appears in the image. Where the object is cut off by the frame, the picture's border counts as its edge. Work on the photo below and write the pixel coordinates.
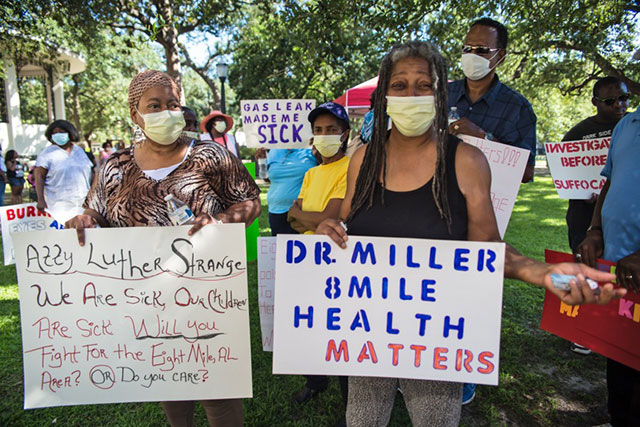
(80, 222)
(591, 248)
(41, 205)
(334, 229)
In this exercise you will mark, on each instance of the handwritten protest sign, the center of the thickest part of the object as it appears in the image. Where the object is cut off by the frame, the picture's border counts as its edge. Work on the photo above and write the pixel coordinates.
(612, 330)
(388, 307)
(277, 123)
(137, 314)
(19, 218)
(507, 165)
(576, 165)
(266, 283)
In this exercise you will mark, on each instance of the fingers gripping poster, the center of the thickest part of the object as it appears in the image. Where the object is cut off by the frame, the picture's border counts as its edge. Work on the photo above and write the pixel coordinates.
(137, 314)
(388, 307)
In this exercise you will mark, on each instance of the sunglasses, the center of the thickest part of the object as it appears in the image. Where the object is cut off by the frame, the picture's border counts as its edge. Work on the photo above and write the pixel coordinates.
(482, 50)
(613, 99)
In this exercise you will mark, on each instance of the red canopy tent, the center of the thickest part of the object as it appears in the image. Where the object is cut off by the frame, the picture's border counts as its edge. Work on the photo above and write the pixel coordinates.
(357, 99)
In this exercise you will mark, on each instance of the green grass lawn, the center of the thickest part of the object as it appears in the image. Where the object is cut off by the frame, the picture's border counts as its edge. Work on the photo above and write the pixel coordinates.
(541, 381)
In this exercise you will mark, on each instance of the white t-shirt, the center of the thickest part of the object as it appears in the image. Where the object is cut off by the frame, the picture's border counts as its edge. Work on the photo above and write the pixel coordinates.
(67, 181)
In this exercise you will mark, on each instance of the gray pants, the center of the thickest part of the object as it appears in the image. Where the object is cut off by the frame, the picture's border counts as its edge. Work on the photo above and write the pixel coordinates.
(430, 403)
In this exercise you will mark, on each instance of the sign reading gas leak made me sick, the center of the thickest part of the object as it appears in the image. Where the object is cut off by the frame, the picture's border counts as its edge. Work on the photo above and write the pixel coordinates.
(137, 314)
(388, 307)
(277, 123)
(576, 166)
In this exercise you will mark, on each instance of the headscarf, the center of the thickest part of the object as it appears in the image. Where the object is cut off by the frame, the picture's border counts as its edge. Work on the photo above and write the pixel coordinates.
(146, 80)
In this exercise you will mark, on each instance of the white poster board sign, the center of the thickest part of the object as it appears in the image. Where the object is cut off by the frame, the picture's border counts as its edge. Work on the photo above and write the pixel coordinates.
(20, 218)
(388, 307)
(137, 314)
(576, 165)
(507, 164)
(277, 123)
(266, 284)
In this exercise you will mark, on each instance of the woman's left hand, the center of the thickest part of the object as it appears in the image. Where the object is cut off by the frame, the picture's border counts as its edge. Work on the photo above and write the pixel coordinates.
(580, 292)
(202, 220)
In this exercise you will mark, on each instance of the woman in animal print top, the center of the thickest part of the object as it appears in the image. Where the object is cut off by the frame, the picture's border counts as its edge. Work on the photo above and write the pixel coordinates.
(130, 188)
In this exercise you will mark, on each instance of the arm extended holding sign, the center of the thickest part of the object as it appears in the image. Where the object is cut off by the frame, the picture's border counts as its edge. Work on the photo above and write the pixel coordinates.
(474, 180)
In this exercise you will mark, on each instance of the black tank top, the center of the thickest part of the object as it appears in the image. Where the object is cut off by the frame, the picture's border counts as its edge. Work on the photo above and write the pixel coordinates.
(414, 213)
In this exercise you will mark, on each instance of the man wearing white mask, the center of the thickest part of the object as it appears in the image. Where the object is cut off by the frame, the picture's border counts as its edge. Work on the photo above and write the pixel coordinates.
(489, 108)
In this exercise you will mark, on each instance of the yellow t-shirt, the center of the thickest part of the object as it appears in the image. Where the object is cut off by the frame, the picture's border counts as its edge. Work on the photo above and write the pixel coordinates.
(323, 183)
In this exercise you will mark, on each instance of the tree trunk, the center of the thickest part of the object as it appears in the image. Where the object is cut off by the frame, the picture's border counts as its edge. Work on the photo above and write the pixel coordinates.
(75, 93)
(168, 38)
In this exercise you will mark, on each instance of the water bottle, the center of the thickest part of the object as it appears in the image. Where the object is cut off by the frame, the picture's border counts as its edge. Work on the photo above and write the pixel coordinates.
(453, 115)
(263, 173)
(179, 212)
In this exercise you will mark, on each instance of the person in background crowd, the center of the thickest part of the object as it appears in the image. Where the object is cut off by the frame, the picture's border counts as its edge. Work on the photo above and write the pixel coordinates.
(119, 145)
(88, 152)
(191, 123)
(614, 234)
(611, 99)
(216, 127)
(15, 173)
(63, 172)
(321, 195)
(489, 108)
(107, 150)
(219, 189)
(3, 179)
(287, 168)
(419, 164)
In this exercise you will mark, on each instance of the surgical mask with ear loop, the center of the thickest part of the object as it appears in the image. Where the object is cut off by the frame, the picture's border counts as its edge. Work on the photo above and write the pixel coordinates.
(327, 145)
(220, 126)
(476, 67)
(412, 115)
(163, 127)
(192, 135)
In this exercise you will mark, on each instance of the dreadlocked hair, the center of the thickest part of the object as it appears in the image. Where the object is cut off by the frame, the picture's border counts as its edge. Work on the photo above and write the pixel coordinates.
(375, 155)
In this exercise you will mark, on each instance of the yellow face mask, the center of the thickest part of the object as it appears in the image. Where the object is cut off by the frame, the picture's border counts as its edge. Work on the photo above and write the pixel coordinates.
(411, 115)
(163, 127)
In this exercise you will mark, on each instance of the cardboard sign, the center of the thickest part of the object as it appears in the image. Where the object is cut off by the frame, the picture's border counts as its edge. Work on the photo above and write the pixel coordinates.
(20, 218)
(507, 166)
(266, 285)
(277, 123)
(576, 165)
(612, 330)
(137, 314)
(388, 307)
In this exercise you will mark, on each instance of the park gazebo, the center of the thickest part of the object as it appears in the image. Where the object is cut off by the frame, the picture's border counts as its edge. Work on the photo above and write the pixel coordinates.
(52, 65)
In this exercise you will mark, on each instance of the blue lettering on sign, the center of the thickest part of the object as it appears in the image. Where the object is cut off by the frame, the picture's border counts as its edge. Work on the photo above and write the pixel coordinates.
(290, 249)
(333, 319)
(368, 252)
(296, 133)
(360, 321)
(488, 262)
(332, 290)
(460, 259)
(432, 259)
(403, 290)
(322, 251)
(297, 316)
(273, 140)
(423, 322)
(263, 137)
(448, 326)
(358, 288)
(385, 288)
(410, 262)
(282, 129)
(392, 255)
(390, 328)
(427, 289)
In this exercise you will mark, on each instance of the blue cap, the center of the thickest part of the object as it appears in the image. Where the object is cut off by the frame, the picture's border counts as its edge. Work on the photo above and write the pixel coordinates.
(336, 110)
(367, 127)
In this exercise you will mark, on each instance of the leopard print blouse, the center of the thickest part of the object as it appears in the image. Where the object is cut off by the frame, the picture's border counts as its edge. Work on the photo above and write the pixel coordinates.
(209, 180)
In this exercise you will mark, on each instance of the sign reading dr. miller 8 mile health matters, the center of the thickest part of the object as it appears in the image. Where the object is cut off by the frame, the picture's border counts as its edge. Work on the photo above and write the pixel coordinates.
(388, 307)
(137, 314)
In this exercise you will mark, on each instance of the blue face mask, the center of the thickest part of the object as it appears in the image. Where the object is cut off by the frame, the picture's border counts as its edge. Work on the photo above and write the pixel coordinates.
(60, 138)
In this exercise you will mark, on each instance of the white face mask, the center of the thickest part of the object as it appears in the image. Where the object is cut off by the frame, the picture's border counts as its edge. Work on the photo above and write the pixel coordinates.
(192, 135)
(163, 127)
(327, 145)
(476, 67)
(220, 126)
(412, 115)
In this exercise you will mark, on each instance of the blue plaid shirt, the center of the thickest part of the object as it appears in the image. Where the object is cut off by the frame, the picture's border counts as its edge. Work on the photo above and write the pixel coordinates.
(502, 111)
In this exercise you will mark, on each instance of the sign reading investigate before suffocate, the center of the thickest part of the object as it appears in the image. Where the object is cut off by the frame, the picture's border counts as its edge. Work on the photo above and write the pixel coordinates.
(277, 123)
(137, 314)
(388, 307)
(576, 165)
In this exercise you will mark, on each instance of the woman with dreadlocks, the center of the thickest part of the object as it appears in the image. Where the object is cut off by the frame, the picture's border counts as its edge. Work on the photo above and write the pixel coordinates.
(416, 180)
